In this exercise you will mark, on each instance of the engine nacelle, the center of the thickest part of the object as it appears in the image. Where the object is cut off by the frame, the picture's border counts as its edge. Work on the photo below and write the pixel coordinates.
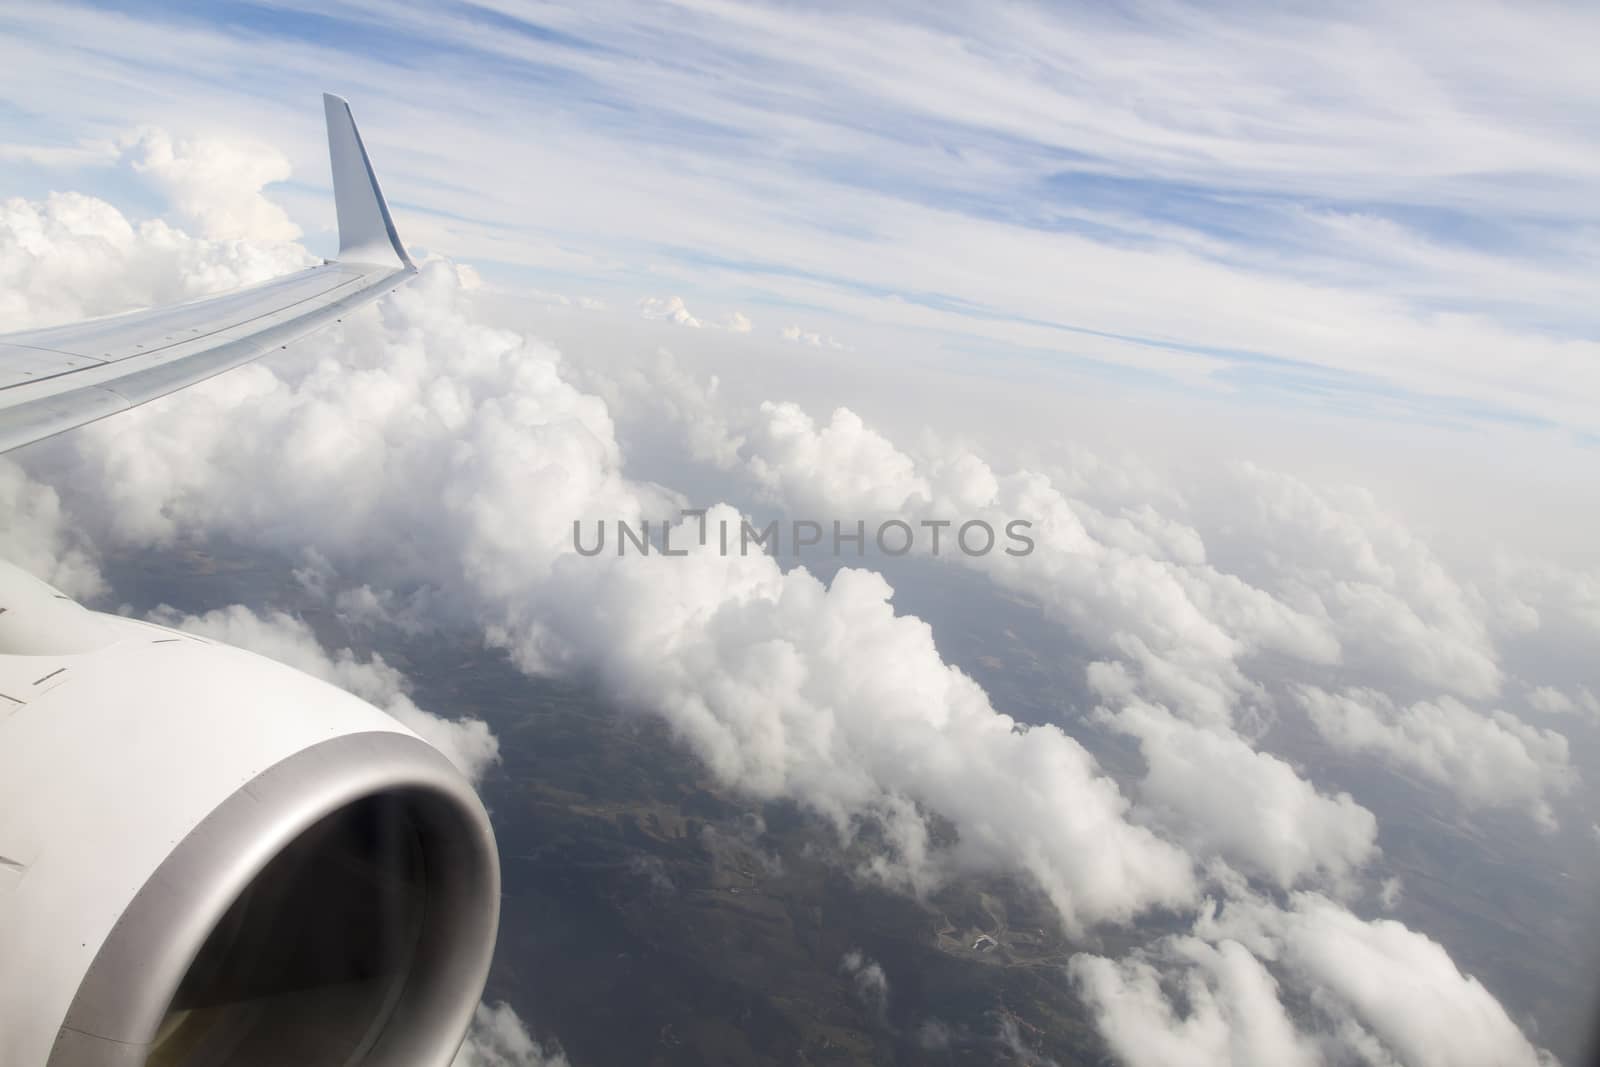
(209, 858)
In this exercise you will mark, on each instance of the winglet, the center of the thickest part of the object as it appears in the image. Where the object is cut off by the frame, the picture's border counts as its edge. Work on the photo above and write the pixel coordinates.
(366, 232)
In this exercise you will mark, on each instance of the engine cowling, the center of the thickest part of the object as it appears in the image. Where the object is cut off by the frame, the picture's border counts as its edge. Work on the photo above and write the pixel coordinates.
(209, 858)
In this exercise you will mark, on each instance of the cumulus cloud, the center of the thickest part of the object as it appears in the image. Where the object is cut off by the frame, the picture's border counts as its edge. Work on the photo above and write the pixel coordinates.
(1314, 582)
(808, 337)
(498, 1038)
(510, 451)
(39, 537)
(787, 687)
(72, 256)
(842, 467)
(1396, 984)
(468, 743)
(1485, 761)
(1403, 987)
(215, 186)
(1134, 582)
(672, 309)
(1222, 797)
(1395, 606)
(669, 309)
(1231, 1014)
(1374, 990)
(1321, 576)
(1553, 701)
(472, 451)
(871, 984)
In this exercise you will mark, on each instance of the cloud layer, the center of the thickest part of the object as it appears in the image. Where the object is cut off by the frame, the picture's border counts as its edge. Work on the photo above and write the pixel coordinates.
(1379, 993)
(431, 467)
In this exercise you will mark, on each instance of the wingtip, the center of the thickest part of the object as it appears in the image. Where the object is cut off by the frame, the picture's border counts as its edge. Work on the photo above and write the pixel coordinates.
(366, 230)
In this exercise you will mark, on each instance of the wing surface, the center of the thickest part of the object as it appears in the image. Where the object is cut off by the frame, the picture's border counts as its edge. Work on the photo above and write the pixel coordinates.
(58, 378)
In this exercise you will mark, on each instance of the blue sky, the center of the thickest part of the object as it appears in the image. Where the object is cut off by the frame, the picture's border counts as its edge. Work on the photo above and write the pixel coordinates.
(1358, 208)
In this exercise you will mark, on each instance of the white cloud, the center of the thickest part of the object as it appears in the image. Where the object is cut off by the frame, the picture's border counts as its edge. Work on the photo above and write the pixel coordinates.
(1373, 991)
(215, 186)
(72, 256)
(1231, 1016)
(1223, 797)
(1331, 580)
(1394, 604)
(1552, 701)
(1141, 584)
(38, 537)
(1485, 761)
(470, 450)
(1135, 582)
(670, 309)
(660, 395)
(871, 984)
(498, 1038)
(1400, 985)
(808, 337)
(842, 468)
(786, 687)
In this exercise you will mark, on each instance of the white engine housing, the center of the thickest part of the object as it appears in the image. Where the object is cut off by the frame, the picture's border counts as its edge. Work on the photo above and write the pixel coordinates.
(170, 806)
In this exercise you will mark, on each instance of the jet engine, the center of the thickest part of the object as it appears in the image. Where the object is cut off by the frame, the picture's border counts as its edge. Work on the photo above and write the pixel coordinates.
(207, 858)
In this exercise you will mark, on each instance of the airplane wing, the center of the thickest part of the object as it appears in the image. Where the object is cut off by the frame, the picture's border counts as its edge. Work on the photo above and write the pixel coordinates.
(58, 378)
